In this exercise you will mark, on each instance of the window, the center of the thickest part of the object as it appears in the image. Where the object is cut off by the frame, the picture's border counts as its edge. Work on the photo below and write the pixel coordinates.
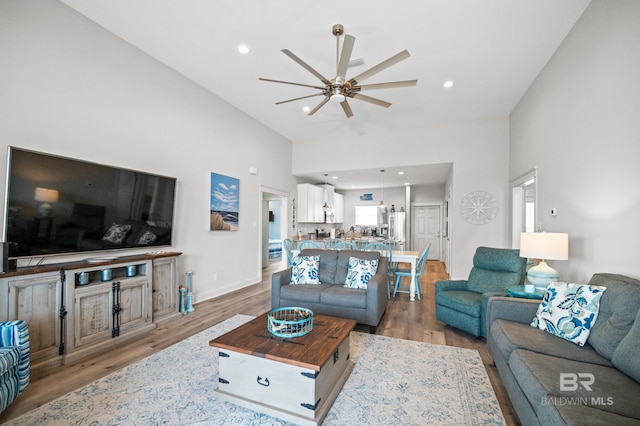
(367, 215)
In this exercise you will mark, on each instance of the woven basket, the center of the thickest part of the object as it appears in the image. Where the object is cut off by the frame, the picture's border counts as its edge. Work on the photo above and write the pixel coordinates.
(290, 322)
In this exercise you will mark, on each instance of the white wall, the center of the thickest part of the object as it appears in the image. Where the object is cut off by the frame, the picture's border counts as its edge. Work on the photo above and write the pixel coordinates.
(71, 88)
(479, 152)
(580, 124)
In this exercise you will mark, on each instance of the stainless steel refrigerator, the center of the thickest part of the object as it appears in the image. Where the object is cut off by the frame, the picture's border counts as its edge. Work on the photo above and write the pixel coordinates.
(397, 226)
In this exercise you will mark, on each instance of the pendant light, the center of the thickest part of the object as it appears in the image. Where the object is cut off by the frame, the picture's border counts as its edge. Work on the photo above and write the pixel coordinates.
(326, 207)
(382, 206)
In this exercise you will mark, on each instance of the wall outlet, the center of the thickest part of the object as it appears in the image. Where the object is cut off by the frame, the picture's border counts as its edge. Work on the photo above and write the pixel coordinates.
(215, 276)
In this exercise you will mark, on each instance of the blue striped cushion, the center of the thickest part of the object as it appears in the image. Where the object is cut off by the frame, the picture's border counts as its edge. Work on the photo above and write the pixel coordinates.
(16, 334)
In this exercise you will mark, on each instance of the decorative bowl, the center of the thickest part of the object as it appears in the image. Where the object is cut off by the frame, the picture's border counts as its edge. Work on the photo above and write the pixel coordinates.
(290, 322)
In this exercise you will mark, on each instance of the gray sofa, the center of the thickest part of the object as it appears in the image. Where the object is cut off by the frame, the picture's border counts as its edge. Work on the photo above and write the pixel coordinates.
(601, 380)
(331, 297)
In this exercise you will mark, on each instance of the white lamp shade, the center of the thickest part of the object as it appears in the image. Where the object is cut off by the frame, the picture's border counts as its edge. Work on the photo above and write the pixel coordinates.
(544, 245)
(46, 195)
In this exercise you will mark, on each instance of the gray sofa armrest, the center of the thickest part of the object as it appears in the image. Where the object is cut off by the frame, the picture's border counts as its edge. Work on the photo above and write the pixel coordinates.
(278, 279)
(512, 309)
(377, 292)
(450, 285)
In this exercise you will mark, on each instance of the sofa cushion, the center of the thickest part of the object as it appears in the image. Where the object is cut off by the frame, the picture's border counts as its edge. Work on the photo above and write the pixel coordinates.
(303, 293)
(618, 310)
(626, 357)
(538, 376)
(580, 415)
(510, 335)
(343, 261)
(468, 302)
(569, 311)
(304, 270)
(328, 264)
(337, 295)
(360, 272)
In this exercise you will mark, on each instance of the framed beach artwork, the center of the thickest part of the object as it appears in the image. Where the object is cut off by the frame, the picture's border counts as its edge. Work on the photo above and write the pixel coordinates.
(224, 203)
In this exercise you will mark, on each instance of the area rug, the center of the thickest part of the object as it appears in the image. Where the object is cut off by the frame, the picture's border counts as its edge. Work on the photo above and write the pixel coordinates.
(394, 381)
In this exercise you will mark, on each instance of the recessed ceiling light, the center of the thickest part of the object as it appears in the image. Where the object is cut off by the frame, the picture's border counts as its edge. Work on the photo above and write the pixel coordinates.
(447, 84)
(243, 48)
(400, 173)
(334, 177)
(306, 109)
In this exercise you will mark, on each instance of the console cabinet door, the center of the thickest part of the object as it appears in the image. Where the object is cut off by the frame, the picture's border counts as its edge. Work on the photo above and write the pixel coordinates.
(93, 314)
(36, 299)
(165, 288)
(135, 305)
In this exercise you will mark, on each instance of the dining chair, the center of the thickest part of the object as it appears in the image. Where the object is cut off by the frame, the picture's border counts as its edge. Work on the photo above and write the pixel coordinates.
(394, 244)
(384, 250)
(393, 267)
(331, 242)
(401, 273)
(308, 244)
(345, 245)
(290, 250)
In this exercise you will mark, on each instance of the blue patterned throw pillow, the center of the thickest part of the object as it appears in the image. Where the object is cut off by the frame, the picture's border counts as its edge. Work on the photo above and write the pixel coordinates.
(569, 311)
(360, 271)
(304, 270)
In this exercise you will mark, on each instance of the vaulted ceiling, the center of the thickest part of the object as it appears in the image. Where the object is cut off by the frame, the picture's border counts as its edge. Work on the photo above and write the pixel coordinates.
(491, 50)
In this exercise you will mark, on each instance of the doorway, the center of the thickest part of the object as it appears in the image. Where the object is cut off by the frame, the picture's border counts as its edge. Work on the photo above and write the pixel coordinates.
(524, 209)
(425, 229)
(274, 224)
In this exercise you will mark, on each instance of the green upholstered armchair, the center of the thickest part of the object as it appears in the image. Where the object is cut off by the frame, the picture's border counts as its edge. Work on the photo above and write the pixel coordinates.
(463, 303)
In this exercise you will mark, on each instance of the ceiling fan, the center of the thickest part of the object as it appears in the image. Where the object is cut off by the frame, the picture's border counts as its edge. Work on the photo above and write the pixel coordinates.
(339, 88)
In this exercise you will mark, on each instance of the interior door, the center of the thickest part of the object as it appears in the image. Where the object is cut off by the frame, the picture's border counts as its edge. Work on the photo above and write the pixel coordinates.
(426, 229)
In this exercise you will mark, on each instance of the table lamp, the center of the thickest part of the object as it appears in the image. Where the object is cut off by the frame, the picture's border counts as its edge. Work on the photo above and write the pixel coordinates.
(544, 246)
(45, 196)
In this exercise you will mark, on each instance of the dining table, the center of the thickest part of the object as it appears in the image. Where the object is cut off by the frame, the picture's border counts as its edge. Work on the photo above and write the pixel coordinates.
(408, 256)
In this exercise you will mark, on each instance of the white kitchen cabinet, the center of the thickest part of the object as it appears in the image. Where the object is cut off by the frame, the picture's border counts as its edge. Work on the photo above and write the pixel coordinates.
(338, 208)
(310, 202)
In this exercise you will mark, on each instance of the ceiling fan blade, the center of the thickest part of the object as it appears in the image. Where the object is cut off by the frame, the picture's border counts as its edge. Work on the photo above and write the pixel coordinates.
(371, 100)
(347, 108)
(389, 85)
(289, 82)
(320, 105)
(345, 56)
(306, 66)
(381, 66)
(297, 99)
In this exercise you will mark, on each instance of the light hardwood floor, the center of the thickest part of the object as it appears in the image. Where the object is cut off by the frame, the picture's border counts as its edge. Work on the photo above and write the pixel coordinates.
(403, 319)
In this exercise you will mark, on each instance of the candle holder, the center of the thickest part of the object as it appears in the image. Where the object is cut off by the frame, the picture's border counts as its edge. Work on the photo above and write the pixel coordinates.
(189, 281)
(182, 308)
(190, 307)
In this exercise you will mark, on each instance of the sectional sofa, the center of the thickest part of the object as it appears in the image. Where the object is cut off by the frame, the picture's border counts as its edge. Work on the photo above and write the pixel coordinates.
(552, 381)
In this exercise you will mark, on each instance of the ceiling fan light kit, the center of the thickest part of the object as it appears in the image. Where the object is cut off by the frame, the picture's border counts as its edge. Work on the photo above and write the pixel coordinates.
(340, 89)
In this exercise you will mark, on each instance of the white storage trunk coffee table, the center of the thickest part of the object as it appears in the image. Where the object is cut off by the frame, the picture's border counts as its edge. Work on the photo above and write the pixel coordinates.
(294, 379)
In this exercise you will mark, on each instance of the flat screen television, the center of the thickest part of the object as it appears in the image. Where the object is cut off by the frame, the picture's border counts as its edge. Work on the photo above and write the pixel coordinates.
(56, 205)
